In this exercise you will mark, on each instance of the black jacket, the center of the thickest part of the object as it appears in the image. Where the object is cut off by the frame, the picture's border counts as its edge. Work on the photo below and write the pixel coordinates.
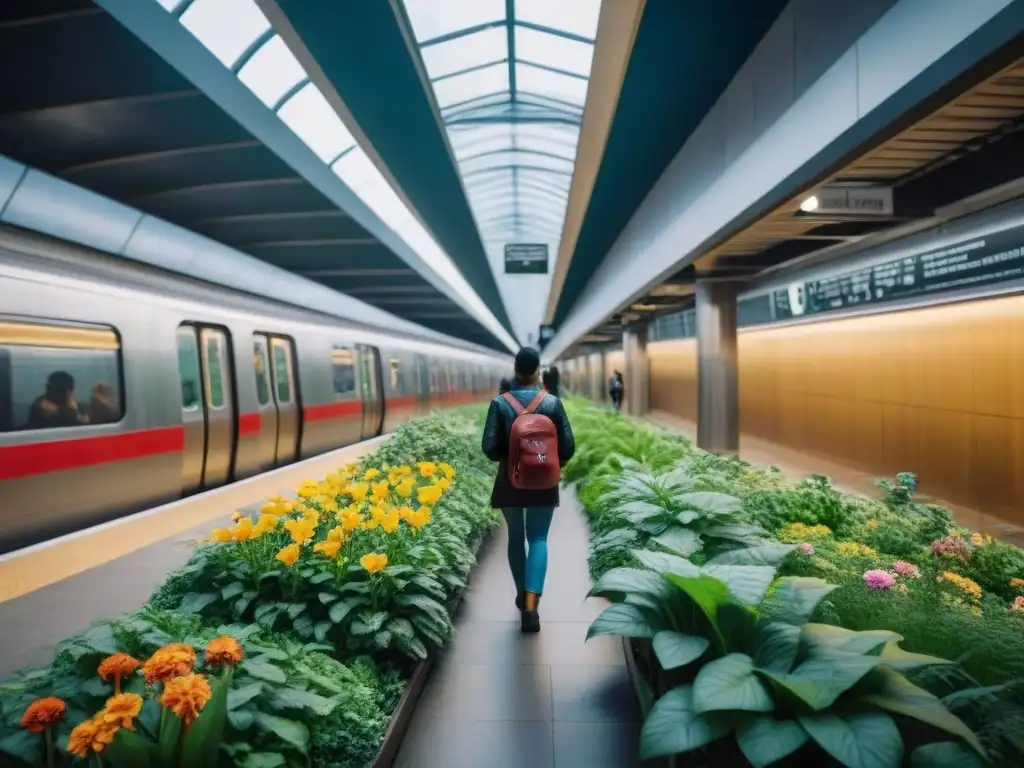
(497, 431)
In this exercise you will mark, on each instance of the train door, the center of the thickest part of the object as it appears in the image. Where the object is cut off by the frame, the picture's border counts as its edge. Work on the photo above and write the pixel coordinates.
(265, 404)
(370, 390)
(286, 395)
(207, 404)
(422, 383)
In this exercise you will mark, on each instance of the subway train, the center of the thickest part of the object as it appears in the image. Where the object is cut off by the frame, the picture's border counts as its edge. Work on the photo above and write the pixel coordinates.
(123, 386)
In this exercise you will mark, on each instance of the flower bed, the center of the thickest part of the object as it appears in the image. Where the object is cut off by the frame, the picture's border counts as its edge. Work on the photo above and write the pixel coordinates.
(879, 594)
(288, 639)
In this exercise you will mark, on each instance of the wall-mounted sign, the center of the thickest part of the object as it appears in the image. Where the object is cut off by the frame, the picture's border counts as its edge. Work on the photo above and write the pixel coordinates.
(547, 332)
(526, 259)
(970, 263)
(853, 201)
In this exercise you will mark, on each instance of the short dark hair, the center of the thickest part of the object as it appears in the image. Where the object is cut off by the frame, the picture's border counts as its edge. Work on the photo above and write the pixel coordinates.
(527, 362)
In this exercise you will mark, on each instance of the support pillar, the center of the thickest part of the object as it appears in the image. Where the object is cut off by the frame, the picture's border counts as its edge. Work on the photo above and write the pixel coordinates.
(602, 392)
(718, 423)
(637, 373)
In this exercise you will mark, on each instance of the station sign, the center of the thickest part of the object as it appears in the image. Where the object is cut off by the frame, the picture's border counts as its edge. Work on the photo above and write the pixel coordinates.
(979, 261)
(547, 333)
(854, 201)
(526, 259)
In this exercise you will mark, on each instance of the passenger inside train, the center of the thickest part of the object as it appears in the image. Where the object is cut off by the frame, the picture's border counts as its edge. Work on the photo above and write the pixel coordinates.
(57, 406)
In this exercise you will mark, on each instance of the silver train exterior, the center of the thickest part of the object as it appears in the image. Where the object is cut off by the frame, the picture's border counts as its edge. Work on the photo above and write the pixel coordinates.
(178, 386)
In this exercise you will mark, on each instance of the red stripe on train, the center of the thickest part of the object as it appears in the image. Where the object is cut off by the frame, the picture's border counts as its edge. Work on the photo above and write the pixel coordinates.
(402, 403)
(249, 424)
(332, 410)
(57, 455)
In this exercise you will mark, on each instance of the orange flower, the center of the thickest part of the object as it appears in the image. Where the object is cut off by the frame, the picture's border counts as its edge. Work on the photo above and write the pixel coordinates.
(186, 696)
(374, 562)
(42, 713)
(223, 650)
(92, 735)
(118, 666)
(288, 555)
(222, 535)
(171, 661)
(121, 709)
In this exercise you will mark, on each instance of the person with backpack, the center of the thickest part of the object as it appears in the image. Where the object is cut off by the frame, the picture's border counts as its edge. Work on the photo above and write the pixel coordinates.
(527, 432)
(615, 390)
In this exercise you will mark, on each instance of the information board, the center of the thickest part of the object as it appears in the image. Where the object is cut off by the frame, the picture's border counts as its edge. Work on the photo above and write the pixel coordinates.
(547, 332)
(970, 263)
(526, 259)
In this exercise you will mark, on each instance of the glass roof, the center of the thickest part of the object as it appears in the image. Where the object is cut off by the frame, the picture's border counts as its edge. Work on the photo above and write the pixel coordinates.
(243, 40)
(510, 78)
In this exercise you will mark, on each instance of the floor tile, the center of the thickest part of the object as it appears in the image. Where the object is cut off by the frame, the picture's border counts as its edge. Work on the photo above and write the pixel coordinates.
(593, 694)
(597, 745)
(451, 744)
(479, 692)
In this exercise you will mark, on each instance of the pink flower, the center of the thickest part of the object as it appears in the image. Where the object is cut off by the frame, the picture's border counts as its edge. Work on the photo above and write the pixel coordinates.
(904, 568)
(1018, 604)
(806, 549)
(878, 579)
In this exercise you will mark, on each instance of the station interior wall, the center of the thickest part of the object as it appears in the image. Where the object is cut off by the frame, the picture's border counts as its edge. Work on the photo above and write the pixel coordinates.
(937, 391)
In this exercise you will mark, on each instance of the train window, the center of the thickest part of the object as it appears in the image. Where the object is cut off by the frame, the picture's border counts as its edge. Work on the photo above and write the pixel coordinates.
(282, 370)
(396, 373)
(261, 368)
(343, 368)
(214, 368)
(188, 367)
(58, 376)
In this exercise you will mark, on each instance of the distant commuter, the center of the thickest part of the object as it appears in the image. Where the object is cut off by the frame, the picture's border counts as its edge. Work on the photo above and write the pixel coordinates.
(504, 386)
(551, 381)
(520, 422)
(103, 407)
(57, 406)
(616, 390)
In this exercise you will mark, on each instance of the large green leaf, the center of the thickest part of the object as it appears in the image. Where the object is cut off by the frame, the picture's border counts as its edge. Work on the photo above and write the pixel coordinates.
(944, 754)
(237, 697)
(898, 695)
(201, 744)
(342, 608)
(777, 646)
(662, 562)
(744, 533)
(894, 656)
(624, 620)
(674, 726)
(675, 649)
(296, 698)
(680, 541)
(867, 740)
(195, 602)
(130, 750)
(794, 598)
(746, 582)
(764, 740)
(263, 760)
(23, 745)
(710, 502)
(639, 510)
(259, 667)
(629, 581)
(291, 732)
(820, 682)
(708, 594)
(169, 738)
(765, 554)
(730, 683)
(826, 639)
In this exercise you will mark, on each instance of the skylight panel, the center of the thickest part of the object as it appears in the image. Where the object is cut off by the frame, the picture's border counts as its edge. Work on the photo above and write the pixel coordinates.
(434, 18)
(487, 46)
(272, 71)
(471, 85)
(356, 170)
(311, 118)
(544, 83)
(515, 157)
(170, 5)
(474, 139)
(226, 27)
(577, 17)
(553, 51)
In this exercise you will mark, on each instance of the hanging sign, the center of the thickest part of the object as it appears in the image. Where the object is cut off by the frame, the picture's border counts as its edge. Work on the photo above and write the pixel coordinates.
(526, 259)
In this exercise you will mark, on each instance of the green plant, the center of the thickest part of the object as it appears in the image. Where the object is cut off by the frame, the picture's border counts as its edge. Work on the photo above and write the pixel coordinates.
(994, 565)
(751, 667)
(813, 502)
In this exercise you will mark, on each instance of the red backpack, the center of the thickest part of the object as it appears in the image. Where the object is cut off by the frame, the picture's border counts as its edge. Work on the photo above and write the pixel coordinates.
(532, 447)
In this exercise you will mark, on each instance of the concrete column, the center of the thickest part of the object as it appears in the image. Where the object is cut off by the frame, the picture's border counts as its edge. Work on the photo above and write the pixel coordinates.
(602, 393)
(637, 373)
(718, 422)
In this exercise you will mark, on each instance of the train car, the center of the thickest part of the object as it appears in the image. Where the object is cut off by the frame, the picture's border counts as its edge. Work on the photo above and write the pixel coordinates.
(122, 386)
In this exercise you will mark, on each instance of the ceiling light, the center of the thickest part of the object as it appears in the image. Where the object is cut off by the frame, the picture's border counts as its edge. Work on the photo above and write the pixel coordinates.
(810, 204)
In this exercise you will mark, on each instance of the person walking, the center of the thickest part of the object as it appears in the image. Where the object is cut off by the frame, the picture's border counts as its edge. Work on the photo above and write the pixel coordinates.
(504, 386)
(615, 390)
(551, 381)
(521, 432)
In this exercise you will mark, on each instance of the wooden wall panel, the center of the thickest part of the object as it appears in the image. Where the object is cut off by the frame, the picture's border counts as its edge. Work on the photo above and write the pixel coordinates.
(937, 391)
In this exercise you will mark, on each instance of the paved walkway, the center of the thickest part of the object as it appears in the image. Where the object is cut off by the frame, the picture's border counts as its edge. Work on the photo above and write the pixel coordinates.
(501, 699)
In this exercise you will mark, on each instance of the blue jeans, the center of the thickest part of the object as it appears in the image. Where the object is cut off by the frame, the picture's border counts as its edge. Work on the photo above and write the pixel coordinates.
(528, 525)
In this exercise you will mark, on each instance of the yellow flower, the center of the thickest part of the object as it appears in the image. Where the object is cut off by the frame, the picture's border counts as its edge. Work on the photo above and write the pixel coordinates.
(308, 489)
(236, 516)
(962, 583)
(427, 468)
(42, 713)
(405, 513)
(1017, 583)
(390, 522)
(801, 532)
(419, 518)
(429, 494)
(265, 524)
(350, 519)
(288, 555)
(223, 650)
(374, 562)
(186, 696)
(329, 505)
(977, 540)
(222, 535)
(301, 529)
(244, 530)
(121, 710)
(370, 473)
(404, 488)
(444, 483)
(853, 548)
(873, 524)
(358, 491)
(448, 469)
(380, 491)
(405, 469)
(331, 545)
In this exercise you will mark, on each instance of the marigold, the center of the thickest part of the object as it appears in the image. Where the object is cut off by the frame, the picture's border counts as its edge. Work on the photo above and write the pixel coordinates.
(962, 583)
(380, 491)
(358, 491)
(120, 710)
(288, 555)
(405, 488)
(301, 529)
(429, 494)
(91, 735)
(374, 562)
(170, 661)
(370, 473)
(427, 468)
(186, 696)
(223, 650)
(42, 713)
(118, 666)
